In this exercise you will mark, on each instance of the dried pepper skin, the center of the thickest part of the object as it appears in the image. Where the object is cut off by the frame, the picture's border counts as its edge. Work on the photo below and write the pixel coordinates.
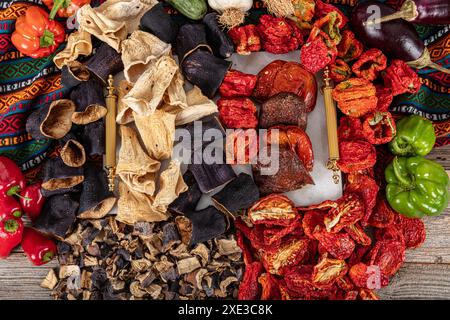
(349, 48)
(350, 210)
(389, 255)
(350, 128)
(367, 188)
(303, 13)
(370, 64)
(274, 209)
(379, 127)
(318, 51)
(383, 215)
(385, 98)
(246, 39)
(339, 245)
(237, 113)
(340, 71)
(356, 155)
(413, 230)
(355, 97)
(249, 288)
(401, 78)
(330, 24)
(279, 35)
(322, 9)
(237, 84)
(327, 271)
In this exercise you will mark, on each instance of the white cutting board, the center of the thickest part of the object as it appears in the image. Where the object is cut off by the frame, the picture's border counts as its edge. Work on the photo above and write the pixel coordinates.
(324, 188)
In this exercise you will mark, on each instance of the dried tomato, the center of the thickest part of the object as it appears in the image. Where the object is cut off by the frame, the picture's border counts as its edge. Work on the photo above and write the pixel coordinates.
(355, 97)
(237, 113)
(367, 188)
(350, 210)
(385, 98)
(349, 48)
(357, 233)
(383, 214)
(237, 84)
(242, 146)
(389, 255)
(249, 288)
(279, 35)
(379, 127)
(345, 284)
(274, 209)
(366, 294)
(358, 255)
(325, 205)
(322, 9)
(291, 253)
(350, 128)
(299, 284)
(318, 51)
(275, 234)
(311, 220)
(391, 232)
(246, 39)
(340, 71)
(356, 155)
(368, 277)
(270, 287)
(400, 78)
(413, 230)
(327, 271)
(339, 245)
(369, 64)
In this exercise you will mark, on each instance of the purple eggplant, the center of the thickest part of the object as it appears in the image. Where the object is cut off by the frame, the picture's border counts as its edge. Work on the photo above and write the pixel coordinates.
(426, 12)
(398, 39)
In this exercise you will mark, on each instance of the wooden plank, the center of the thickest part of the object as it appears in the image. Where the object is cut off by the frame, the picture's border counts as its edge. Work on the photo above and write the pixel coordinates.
(441, 155)
(419, 281)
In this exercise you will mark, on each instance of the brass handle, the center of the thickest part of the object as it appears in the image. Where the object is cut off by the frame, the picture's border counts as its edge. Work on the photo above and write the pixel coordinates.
(110, 124)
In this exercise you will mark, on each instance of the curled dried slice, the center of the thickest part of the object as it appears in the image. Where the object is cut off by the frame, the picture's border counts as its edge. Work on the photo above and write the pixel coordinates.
(72, 152)
(327, 271)
(273, 210)
(350, 210)
(291, 253)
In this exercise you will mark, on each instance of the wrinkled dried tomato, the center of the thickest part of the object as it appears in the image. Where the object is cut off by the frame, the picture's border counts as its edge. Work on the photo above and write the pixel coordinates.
(369, 64)
(242, 146)
(274, 209)
(249, 288)
(311, 220)
(382, 215)
(379, 127)
(356, 155)
(357, 233)
(358, 255)
(389, 255)
(299, 285)
(328, 270)
(339, 245)
(349, 48)
(345, 283)
(367, 188)
(246, 39)
(366, 294)
(391, 232)
(350, 210)
(413, 230)
(279, 35)
(340, 71)
(237, 113)
(318, 51)
(355, 97)
(368, 277)
(350, 128)
(237, 84)
(401, 78)
(270, 287)
(291, 253)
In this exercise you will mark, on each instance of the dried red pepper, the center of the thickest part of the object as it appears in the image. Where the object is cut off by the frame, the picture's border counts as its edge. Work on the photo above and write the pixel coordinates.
(370, 64)
(401, 78)
(355, 97)
(350, 209)
(322, 9)
(349, 48)
(385, 98)
(237, 84)
(356, 155)
(318, 51)
(249, 288)
(350, 128)
(279, 35)
(379, 128)
(340, 71)
(330, 24)
(237, 113)
(246, 39)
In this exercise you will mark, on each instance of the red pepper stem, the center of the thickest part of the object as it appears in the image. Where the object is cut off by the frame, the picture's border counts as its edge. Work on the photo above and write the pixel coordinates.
(48, 256)
(58, 4)
(11, 225)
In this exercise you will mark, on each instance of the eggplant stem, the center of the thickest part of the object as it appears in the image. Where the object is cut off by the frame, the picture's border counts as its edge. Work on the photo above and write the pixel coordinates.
(407, 12)
(439, 68)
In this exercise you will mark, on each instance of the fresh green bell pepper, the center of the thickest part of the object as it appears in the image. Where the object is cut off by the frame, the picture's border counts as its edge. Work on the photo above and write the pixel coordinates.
(415, 137)
(417, 187)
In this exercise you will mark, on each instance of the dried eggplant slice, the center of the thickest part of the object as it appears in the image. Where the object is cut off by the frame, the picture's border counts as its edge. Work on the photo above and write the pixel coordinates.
(72, 152)
(208, 123)
(96, 200)
(58, 215)
(53, 121)
(188, 200)
(207, 224)
(73, 74)
(92, 137)
(205, 70)
(50, 193)
(190, 38)
(104, 62)
(91, 105)
(211, 176)
(59, 176)
(239, 194)
(158, 22)
(219, 40)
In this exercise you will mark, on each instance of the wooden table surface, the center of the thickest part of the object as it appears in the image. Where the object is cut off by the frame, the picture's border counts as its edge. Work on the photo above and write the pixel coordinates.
(425, 275)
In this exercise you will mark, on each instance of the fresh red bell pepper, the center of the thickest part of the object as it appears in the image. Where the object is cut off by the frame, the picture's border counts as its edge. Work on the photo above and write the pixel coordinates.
(64, 8)
(9, 207)
(12, 181)
(11, 231)
(37, 247)
(36, 35)
(32, 201)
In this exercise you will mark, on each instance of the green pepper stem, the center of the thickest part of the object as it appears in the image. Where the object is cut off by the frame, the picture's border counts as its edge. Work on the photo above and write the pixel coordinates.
(48, 256)
(11, 225)
(407, 184)
(397, 147)
(17, 214)
(14, 191)
(58, 4)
